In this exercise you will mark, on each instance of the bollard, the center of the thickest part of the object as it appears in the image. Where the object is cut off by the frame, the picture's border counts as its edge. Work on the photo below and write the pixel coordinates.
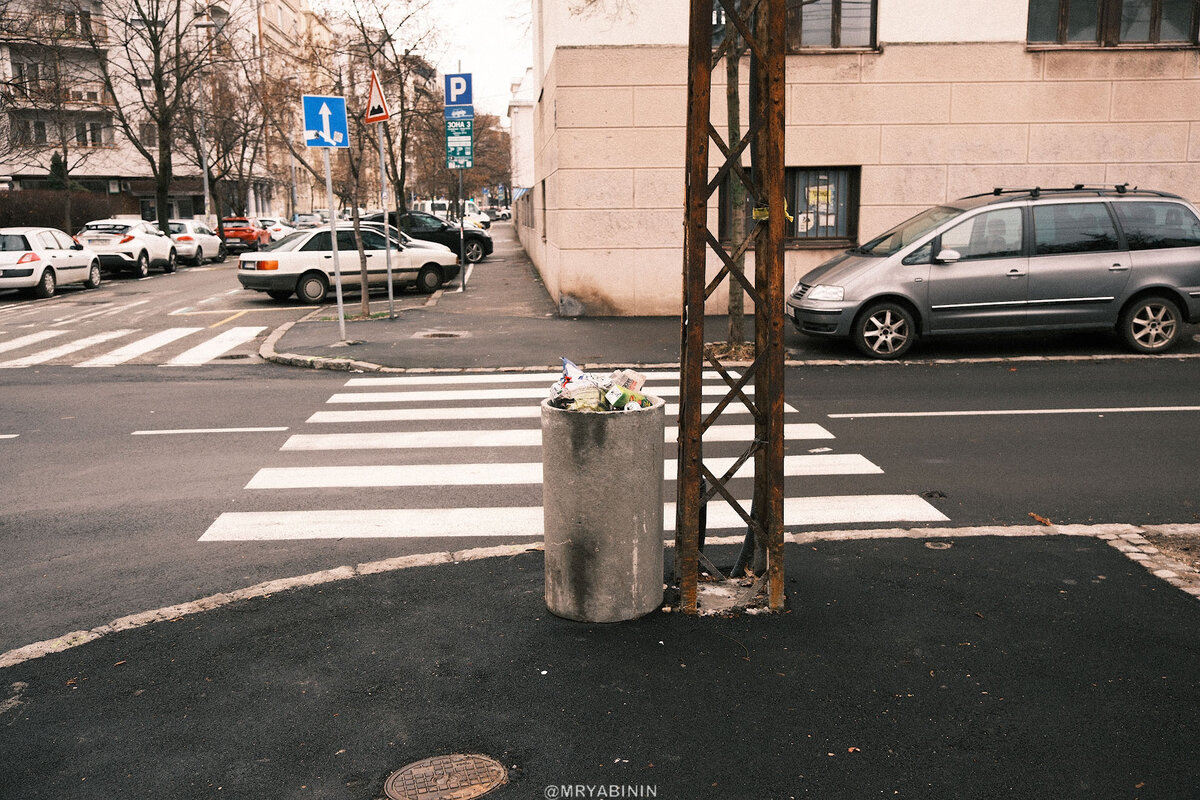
(602, 494)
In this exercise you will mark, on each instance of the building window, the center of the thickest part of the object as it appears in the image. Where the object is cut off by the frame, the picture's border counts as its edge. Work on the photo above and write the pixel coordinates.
(148, 134)
(831, 23)
(1109, 23)
(823, 204)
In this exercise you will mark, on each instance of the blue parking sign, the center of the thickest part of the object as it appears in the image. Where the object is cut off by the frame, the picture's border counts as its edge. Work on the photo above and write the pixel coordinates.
(458, 89)
(325, 123)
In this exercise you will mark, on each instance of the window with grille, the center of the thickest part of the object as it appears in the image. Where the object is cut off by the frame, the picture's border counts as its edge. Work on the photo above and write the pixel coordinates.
(822, 201)
(831, 23)
(1109, 23)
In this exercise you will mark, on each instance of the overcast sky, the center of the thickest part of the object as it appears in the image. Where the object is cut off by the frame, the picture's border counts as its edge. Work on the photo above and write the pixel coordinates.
(491, 39)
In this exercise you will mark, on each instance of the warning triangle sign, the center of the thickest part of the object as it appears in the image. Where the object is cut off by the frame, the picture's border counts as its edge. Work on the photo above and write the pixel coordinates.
(377, 107)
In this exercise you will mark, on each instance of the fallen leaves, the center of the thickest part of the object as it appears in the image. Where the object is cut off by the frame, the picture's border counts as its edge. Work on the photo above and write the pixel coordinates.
(1040, 518)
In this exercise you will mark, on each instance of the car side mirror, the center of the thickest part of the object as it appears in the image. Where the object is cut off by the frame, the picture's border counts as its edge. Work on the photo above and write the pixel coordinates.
(949, 256)
(76, 246)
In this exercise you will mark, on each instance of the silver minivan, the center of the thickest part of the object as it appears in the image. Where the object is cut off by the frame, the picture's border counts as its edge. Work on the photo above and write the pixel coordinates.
(1015, 260)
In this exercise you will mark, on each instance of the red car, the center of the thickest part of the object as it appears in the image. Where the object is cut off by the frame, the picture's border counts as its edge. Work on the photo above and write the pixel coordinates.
(244, 233)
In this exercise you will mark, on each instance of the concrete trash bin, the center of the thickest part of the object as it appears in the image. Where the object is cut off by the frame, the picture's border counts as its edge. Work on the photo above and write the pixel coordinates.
(602, 493)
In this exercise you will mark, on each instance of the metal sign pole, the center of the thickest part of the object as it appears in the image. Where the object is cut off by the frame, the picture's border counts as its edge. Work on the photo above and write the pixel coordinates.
(337, 269)
(462, 235)
(387, 233)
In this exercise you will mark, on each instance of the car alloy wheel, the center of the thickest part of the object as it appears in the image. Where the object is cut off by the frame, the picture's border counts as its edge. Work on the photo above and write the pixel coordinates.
(474, 251)
(142, 268)
(46, 285)
(885, 330)
(1151, 325)
(93, 279)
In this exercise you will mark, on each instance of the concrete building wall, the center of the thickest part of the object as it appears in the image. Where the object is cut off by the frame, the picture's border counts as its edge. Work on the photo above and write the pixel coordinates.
(926, 122)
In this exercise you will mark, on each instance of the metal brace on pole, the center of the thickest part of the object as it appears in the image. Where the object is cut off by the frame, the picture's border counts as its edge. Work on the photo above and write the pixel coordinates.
(337, 268)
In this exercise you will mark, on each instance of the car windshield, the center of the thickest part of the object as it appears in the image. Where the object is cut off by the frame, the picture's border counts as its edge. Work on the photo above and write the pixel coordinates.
(288, 242)
(236, 223)
(177, 227)
(907, 232)
(12, 242)
(106, 227)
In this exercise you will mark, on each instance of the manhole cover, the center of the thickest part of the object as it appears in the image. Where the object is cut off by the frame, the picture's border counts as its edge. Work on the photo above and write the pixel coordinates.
(453, 777)
(441, 334)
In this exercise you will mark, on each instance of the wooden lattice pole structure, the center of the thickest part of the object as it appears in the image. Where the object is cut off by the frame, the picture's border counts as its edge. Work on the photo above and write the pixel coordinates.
(762, 24)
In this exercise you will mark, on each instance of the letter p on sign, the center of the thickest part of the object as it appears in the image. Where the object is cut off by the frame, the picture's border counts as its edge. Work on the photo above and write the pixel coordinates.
(458, 89)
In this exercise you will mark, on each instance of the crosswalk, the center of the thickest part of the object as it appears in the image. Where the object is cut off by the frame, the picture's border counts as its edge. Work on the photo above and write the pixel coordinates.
(454, 456)
(172, 347)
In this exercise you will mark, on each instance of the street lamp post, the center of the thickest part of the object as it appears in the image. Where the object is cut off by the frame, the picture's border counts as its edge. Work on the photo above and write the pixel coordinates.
(204, 24)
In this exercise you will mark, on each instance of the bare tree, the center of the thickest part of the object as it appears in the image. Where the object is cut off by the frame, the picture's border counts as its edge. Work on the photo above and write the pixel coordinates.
(150, 62)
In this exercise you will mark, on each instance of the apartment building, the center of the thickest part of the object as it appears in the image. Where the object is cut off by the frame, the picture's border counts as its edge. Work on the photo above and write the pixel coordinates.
(892, 106)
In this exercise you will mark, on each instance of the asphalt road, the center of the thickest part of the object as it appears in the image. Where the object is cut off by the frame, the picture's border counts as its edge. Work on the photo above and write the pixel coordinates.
(102, 519)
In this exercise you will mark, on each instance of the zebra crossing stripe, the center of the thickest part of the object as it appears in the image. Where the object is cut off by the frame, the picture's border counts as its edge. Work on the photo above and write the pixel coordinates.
(521, 437)
(33, 338)
(64, 350)
(214, 347)
(527, 521)
(426, 414)
(508, 393)
(506, 378)
(485, 474)
(138, 348)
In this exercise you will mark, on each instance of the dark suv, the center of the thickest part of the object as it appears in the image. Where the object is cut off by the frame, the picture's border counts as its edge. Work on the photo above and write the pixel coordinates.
(476, 243)
(1015, 260)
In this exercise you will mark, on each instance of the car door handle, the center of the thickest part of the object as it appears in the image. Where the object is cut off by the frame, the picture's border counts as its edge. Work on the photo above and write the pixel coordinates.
(1016, 273)
(1118, 268)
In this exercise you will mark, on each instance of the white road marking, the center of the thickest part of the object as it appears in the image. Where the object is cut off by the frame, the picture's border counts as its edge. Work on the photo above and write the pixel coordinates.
(28, 339)
(508, 393)
(138, 348)
(494, 377)
(527, 521)
(9, 435)
(63, 350)
(522, 437)
(480, 412)
(177, 431)
(1016, 412)
(217, 346)
(485, 474)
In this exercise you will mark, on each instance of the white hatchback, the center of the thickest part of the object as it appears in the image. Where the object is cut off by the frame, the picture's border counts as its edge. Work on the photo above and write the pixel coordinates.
(131, 245)
(276, 227)
(42, 259)
(302, 264)
(195, 241)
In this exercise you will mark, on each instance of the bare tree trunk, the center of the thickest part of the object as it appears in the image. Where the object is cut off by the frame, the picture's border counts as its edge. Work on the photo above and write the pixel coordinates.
(737, 192)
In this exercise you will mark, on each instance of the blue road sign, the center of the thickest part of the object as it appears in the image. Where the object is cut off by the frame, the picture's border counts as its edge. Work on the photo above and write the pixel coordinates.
(325, 123)
(460, 112)
(458, 89)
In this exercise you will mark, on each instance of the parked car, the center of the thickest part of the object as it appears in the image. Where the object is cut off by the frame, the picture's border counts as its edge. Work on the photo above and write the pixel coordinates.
(195, 241)
(420, 225)
(1015, 260)
(403, 238)
(276, 227)
(129, 245)
(302, 264)
(302, 221)
(42, 259)
(244, 233)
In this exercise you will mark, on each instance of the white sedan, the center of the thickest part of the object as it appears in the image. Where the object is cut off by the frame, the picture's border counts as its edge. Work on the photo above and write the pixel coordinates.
(132, 245)
(42, 259)
(302, 264)
(195, 241)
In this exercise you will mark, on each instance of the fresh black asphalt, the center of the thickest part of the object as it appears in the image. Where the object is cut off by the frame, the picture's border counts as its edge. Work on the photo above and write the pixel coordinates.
(949, 668)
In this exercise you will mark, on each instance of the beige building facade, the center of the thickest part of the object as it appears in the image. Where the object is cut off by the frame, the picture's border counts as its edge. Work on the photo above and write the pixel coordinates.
(943, 100)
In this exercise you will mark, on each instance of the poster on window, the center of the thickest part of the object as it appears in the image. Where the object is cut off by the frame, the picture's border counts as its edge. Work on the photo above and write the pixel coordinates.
(819, 206)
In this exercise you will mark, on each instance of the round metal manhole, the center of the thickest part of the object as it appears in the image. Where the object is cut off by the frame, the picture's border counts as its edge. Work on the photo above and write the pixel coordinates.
(453, 777)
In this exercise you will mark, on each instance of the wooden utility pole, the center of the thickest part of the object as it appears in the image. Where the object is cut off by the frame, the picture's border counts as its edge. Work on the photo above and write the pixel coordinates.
(762, 26)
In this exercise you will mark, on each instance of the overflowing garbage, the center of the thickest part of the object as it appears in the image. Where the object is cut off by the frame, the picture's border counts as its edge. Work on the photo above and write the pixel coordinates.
(620, 390)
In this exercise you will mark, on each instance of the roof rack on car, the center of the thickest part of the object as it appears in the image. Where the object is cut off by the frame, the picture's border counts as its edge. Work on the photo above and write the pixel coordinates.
(1038, 191)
